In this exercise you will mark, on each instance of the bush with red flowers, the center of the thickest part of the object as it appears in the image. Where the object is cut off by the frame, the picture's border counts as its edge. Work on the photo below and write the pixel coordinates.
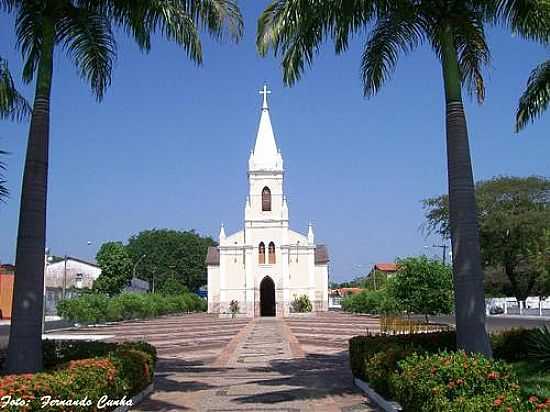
(102, 381)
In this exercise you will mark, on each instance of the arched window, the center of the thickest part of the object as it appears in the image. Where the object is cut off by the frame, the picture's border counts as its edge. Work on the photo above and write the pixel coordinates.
(261, 254)
(266, 199)
(271, 253)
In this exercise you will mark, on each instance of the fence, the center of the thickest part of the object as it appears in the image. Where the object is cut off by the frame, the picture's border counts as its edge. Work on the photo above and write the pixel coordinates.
(532, 306)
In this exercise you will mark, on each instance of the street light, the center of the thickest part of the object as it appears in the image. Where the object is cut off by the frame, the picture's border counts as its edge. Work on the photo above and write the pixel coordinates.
(137, 263)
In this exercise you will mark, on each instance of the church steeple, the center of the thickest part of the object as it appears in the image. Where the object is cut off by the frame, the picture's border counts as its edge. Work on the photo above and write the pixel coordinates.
(265, 155)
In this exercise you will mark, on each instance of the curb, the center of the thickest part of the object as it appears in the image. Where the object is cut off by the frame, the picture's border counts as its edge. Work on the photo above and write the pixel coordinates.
(378, 400)
(136, 399)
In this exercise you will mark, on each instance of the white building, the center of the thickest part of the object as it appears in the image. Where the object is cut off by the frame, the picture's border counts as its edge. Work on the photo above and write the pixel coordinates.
(71, 272)
(266, 265)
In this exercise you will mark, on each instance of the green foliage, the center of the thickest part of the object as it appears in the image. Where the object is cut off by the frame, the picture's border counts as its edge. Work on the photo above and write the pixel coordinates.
(368, 301)
(363, 348)
(514, 215)
(79, 370)
(170, 254)
(539, 347)
(534, 101)
(173, 286)
(455, 382)
(510, 345)
(423, 286)
(96, 308)
(116, 268)
(533, 381)
(301, 304)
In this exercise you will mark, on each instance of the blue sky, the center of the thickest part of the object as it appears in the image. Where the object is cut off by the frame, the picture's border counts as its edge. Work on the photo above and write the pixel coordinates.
(168, 146)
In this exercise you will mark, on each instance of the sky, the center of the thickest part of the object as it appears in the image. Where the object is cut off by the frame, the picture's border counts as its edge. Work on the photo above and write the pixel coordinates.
(168, 147)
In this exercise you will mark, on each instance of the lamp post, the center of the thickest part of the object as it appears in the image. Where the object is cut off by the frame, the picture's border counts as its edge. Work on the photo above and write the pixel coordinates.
(137, 263)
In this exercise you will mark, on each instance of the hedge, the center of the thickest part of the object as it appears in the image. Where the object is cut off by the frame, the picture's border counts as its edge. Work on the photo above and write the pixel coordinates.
(98, 308)
(111, 373)
(377, 358)
(456, 382)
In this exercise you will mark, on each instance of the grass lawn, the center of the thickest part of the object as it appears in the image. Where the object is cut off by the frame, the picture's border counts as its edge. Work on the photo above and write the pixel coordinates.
(532, 381)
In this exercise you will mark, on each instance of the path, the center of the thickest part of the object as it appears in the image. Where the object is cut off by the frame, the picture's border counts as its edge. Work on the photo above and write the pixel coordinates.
(267, 364)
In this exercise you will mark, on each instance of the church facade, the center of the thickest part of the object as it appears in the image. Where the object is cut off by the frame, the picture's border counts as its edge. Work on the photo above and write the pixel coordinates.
(266, 265)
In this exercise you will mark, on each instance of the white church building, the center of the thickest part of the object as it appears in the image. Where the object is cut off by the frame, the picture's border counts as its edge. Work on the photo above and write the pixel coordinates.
(265, 266)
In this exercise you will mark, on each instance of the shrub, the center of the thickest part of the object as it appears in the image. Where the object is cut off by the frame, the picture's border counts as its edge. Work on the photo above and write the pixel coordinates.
(455, 382)
(96, 308)
(56, 352)
(367, 301)
(114, 370)
(301, 304)
(362, 348)
(510, 345)
(539, 347)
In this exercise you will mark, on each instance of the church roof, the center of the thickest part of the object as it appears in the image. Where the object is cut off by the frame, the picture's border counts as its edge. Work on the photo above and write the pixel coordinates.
(265, 154)
(321, 255)
(213, 256)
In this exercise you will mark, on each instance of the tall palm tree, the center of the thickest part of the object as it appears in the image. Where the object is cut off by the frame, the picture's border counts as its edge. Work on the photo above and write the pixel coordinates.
(84, 30)
(454, 29)
(536, 97)
(12, 106)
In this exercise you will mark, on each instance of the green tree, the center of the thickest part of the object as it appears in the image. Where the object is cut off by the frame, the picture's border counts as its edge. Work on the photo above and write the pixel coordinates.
(513, 214)
(422, 286)
(12, 106)
(173, 286)
(116, 268)
(84, 30)
(171, 254)
(539, 258)
(534, 101)
(455, 30)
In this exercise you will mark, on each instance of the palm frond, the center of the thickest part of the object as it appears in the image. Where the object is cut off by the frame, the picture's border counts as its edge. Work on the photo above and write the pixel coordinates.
(528, 18)
(12, 105)
(29, 26)
(539, 347)
(3, 189)
(7, 5)
(400, 32)
(89, 40)
(536, 97)
(473, 52)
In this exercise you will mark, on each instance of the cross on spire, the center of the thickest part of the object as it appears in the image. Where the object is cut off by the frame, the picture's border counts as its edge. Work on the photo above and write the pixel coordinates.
(265, 92)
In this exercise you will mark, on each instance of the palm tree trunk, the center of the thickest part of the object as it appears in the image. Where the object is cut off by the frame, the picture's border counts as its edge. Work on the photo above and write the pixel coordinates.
(25, 344)
(471, 334)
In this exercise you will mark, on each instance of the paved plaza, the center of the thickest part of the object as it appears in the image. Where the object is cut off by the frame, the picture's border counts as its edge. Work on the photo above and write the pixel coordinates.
(266, 364)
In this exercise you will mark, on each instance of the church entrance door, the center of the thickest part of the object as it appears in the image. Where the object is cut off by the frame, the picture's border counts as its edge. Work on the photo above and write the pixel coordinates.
(267, 297)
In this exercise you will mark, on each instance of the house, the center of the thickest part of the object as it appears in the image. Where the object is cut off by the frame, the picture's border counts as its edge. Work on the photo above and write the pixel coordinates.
(6, 290)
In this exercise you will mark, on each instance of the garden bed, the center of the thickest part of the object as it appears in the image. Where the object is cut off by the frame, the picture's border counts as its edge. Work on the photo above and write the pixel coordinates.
(83, 376)
(424, 372)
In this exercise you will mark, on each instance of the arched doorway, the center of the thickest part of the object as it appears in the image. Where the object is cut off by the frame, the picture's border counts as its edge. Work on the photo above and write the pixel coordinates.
(267, 297)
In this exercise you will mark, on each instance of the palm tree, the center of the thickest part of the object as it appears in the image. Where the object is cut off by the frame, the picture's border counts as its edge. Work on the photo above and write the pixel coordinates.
(454, 29)
(536, 97)
(12, 106)
(84, 30)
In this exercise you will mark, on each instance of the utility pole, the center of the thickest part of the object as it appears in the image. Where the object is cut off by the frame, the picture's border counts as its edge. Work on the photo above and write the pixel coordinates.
(65, 276)
(444, 247)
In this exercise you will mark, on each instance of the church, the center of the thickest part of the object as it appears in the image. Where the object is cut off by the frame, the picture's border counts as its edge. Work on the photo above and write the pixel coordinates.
(265, 266)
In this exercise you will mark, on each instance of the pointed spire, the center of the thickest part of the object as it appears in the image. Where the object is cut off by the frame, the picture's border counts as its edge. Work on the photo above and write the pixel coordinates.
(310, 236)
(265, 154)
(222, 233)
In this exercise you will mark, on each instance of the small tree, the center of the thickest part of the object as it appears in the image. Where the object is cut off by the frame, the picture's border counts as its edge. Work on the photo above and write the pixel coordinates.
(423, 286)
(116, 268)
(173, 286)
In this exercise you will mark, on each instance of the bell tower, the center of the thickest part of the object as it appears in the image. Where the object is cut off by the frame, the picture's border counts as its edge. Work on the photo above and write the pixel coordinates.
(266, 202)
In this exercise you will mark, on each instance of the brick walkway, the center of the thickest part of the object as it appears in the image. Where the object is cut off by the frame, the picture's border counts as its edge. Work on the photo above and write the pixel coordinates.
(211, 364)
